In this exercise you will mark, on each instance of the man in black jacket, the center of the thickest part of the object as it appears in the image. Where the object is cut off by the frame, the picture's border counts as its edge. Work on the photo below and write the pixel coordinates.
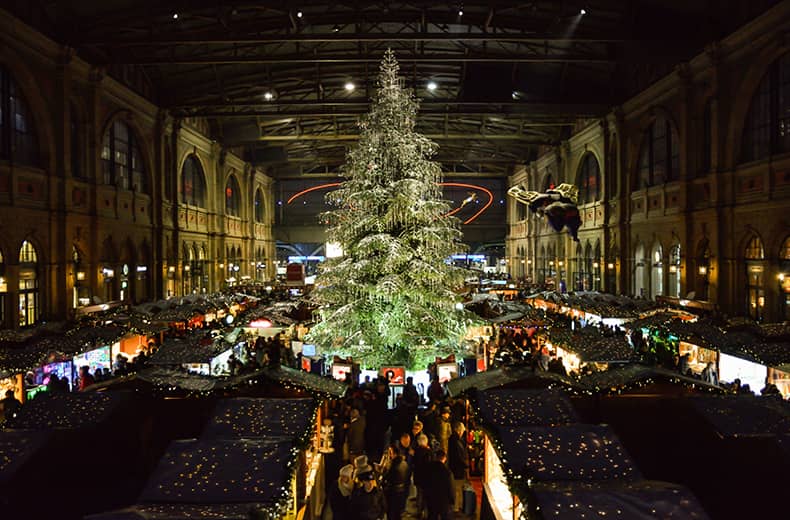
(396, 483)
(439, 495)
(458, 461)
(368, 502)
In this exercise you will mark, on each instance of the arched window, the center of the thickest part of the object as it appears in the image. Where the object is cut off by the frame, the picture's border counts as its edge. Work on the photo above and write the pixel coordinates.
(122, 162)
(674, 271)
(766, 130)
(755, 299)
(18, 140)
(3, 290)
(784, 280)
(232, 197)
(259, 207)
(193, 183)
(659, 159)
(28, 285)
(657, 271)
(596, 267)
(640, 271)
(588, 179)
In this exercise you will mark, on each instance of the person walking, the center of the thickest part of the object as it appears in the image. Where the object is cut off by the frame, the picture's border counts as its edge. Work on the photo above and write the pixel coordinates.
(356, 435)
(439, 497)
(396, 483)
(340, 493)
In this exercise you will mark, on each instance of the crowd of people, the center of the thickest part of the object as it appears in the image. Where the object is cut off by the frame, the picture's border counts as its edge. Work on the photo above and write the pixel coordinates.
(384, 458)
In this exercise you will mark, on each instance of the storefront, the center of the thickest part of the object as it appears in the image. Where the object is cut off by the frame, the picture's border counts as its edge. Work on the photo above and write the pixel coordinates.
(504, 504)
(781, 379)
(749, 372)
(699, 357)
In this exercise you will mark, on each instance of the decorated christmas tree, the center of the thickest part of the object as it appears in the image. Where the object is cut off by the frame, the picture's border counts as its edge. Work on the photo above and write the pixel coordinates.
(390, 298)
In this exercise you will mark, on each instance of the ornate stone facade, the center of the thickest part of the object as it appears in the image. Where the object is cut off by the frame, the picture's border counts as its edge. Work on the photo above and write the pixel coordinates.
(91, 177)
(694, 191)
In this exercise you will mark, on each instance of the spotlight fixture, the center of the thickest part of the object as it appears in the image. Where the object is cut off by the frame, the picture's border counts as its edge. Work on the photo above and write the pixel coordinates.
(350, 86)
(298, 14)
(268, 96)
(583, 11)
(175, 16)
(461, 12)
(515, 94)
(431, 86)
(336, 29)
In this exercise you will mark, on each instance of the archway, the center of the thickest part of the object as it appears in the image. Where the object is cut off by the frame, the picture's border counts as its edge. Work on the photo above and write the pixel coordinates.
(657, 270)
(754, 254)
(29, 302)
(640, 271)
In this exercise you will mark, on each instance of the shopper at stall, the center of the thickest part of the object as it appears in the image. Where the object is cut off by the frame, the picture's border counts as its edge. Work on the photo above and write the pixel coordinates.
(410, 397)
(435, 391)
(458, 462)
(396, 483)
(11, 405)
(340, 493)
(86, 379)
(367, 501)
(709, 374)
(439, 496)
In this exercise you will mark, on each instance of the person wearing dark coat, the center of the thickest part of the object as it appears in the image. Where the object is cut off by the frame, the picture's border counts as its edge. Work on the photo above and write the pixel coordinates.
(421, 461)
(355, 435)
(439, 496)
(396, 483)
(458, 461)
(367, 501)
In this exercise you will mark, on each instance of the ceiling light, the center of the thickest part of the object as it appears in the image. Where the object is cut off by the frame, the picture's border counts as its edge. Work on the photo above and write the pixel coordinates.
(432, 86)
(516, 94)
(298, 14)
(460, 12)
(335, 29)
(583, 11)
(175, 16)
(268, 96)
(349, 86)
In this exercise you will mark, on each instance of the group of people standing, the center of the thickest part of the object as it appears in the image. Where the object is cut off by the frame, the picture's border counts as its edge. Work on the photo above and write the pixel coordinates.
(425, 461)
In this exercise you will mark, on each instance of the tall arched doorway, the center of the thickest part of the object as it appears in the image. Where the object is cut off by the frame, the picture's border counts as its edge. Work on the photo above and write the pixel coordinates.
(29, 303)
(784, 280)
(640, 271)
(657, 271)
(754, 255)
(673, 288)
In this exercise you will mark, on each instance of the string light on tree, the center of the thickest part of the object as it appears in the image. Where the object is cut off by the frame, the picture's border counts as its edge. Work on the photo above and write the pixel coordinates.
(391, 287)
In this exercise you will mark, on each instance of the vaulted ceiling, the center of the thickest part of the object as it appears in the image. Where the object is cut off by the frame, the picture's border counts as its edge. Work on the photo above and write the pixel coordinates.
(272, 76)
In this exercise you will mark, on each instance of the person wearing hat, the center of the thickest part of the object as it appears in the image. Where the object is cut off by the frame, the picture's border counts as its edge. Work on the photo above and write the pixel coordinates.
(367, 501)
(340, 493)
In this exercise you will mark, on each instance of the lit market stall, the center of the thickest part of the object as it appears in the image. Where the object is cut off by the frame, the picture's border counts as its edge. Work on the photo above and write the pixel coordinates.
(222, 479)
(265, 418)
(198, 353)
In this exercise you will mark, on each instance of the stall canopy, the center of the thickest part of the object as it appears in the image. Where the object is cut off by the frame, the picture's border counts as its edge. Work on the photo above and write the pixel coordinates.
(646, 500)
(578, 452)
(261, 417)
(251, 474)
(592, 346)
(735, 416)
(196, 348)
(66, 411)
(290, 377)
(16, 449)
(509, 375)
(524, 407)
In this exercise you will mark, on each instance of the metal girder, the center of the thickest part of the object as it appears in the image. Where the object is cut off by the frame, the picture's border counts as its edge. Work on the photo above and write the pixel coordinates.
(223, 39)
(356, 59)
(526, 108)
(455, 137)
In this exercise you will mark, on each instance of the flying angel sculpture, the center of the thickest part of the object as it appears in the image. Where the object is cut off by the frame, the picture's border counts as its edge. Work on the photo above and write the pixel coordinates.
(558, 205)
